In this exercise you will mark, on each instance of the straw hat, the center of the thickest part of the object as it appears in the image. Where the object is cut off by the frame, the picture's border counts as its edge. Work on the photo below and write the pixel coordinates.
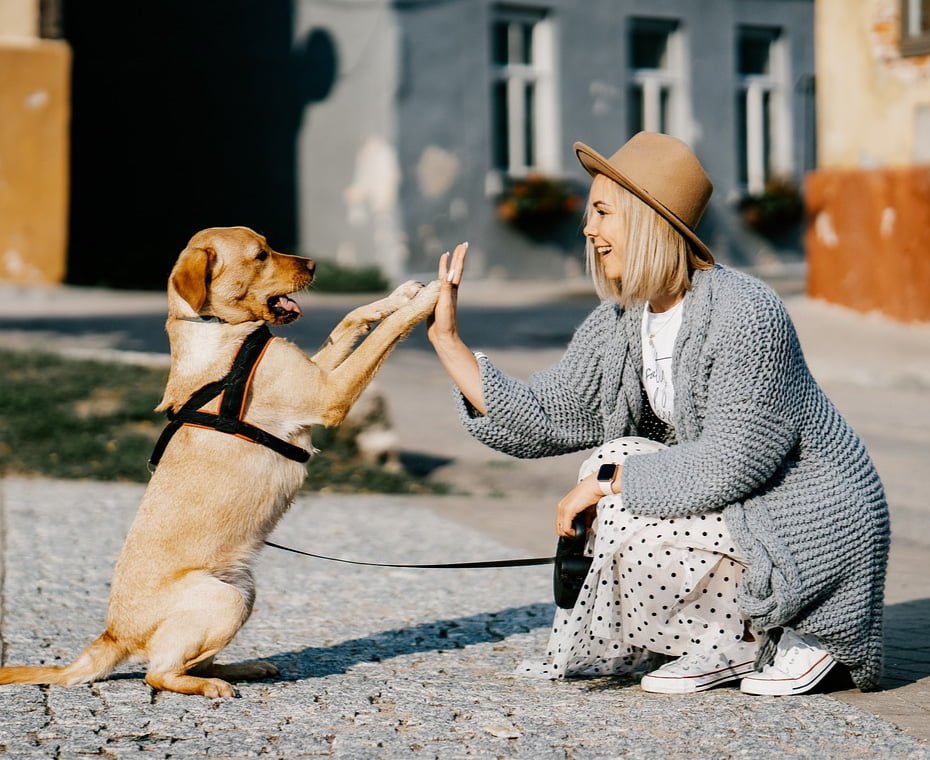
(661, 171)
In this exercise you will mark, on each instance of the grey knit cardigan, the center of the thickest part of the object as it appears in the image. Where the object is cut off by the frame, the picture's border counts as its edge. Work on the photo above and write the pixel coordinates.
(754, 436)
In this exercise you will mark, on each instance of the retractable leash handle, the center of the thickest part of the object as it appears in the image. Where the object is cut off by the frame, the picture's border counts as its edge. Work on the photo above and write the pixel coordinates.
(571, 566)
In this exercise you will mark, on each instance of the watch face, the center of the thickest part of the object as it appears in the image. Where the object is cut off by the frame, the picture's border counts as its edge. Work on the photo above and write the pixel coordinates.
(606, 472)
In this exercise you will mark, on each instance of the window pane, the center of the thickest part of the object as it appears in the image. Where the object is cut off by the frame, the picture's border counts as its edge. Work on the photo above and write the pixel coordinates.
(767, 133)
(752, 50)
(526, 43)
(499, 43)
(663, 109)
(635, 103)
(648, 43)
(529, 124)
(741, 138)
(499, 131)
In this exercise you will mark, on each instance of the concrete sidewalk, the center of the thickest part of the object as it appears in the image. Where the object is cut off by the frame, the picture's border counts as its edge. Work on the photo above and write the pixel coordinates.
(876, 371)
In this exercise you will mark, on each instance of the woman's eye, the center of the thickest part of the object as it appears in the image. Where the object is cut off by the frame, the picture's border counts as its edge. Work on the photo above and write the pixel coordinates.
(262, 255)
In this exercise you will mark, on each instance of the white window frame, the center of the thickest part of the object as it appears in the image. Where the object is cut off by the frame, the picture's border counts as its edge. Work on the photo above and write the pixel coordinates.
(914, 41)
(670, 78)
(755, 87)
(540, 73)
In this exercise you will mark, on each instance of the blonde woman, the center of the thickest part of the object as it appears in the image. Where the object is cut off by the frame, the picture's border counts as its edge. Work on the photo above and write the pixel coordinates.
(741, 528)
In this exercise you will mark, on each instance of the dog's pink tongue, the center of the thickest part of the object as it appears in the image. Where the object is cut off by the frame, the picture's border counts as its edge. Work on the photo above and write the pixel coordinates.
(288, 305)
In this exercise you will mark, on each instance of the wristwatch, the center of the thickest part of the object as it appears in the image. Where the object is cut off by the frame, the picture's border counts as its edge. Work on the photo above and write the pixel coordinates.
(605, 478)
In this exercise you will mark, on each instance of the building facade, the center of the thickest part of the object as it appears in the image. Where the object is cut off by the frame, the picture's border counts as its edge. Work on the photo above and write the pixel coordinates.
(868, 241)
(439, 107)
(382, 132)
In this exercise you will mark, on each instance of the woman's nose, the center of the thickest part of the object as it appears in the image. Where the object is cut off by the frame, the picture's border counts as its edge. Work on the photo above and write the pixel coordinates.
(590, 229)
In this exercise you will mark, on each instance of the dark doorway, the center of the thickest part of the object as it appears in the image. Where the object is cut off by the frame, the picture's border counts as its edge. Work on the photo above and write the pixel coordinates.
(185, 116)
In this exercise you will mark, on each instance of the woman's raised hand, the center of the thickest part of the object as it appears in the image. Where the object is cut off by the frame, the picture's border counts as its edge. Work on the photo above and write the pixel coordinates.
(442, 329)
(443, 324)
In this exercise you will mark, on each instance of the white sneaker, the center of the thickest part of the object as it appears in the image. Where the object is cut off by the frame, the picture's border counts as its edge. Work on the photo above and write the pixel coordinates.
(800, 664)
(702, 670)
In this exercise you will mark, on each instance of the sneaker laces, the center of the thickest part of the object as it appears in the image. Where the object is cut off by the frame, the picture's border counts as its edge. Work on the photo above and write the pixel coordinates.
(791, 646)
(703, 659)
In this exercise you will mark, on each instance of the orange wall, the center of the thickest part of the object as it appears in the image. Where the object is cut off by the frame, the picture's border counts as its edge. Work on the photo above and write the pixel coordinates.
(868, 242)
(35, 106)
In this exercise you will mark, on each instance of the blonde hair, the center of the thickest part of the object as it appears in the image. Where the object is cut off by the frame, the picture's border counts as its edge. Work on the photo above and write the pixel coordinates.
(657, 260)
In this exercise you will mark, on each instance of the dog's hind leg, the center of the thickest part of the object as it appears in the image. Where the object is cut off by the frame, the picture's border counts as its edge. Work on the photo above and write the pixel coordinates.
(207, 615)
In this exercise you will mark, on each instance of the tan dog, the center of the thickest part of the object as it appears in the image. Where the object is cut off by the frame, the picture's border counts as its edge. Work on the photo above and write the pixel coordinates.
(182, 586)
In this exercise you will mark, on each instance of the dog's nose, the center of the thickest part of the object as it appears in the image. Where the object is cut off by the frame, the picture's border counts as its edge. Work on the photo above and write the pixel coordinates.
(311, 266)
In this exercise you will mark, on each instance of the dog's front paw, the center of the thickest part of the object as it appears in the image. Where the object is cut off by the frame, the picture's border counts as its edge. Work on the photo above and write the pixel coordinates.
(425, 301)
(408, 290)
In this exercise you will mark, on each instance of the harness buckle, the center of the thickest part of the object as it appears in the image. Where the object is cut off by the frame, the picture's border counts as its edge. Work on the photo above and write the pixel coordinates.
(226, 425)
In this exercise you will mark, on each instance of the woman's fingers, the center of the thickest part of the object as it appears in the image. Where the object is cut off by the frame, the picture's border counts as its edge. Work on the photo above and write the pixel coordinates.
(444, 267)
(565, 514)
(581, 497)
(457, 264)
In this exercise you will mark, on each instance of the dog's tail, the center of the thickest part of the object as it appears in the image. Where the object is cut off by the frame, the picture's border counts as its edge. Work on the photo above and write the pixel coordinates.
(97, 661)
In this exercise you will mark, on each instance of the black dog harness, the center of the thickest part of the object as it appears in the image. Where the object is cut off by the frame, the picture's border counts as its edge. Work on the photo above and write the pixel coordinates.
(234, 388)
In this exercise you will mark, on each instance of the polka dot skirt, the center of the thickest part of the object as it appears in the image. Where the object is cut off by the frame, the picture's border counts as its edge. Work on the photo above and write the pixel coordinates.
(663, 586)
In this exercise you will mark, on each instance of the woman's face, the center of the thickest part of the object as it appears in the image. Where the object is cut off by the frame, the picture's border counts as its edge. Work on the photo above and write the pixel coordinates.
(605, 227)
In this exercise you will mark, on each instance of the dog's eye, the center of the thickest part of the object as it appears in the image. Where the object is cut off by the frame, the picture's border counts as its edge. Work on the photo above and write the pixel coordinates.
(262, 255)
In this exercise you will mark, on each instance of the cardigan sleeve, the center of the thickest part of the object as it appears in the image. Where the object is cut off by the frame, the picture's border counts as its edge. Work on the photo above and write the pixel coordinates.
(748, 432)
(558, 410)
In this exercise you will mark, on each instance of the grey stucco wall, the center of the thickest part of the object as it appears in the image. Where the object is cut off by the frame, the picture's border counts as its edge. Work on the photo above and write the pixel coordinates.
(349, 176)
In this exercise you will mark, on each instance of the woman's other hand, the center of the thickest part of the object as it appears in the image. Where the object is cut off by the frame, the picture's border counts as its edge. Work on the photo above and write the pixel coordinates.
(583, 496)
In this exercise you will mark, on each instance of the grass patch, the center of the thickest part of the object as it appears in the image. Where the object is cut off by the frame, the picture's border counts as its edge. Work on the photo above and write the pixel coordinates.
(67, 418)
(331, 277)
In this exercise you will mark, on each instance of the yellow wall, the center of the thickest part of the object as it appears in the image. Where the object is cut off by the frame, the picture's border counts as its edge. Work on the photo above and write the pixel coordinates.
(35, 103)
(869, 98)
(19, 18)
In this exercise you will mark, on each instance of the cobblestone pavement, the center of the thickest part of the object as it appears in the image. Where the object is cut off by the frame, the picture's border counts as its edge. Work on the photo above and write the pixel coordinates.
(375, 663)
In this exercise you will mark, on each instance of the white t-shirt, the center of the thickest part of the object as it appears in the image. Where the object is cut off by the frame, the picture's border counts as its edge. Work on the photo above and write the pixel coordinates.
(658, 333)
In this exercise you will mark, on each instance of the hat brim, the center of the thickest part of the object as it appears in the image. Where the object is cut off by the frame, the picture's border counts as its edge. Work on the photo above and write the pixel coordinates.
(594, 163)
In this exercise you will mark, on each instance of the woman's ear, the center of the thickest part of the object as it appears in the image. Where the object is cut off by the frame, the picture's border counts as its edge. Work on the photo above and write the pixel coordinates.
(191, 275)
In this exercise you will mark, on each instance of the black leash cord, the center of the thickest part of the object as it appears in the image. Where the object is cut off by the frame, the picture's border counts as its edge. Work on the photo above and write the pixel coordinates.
(461, 565)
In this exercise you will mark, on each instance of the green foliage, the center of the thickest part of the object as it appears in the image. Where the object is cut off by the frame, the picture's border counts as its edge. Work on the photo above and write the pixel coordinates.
(66, 418)
(331, 277)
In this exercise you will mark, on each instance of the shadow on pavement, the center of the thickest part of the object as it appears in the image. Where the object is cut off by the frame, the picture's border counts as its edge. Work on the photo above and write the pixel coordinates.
(439, 635)
(907, 643)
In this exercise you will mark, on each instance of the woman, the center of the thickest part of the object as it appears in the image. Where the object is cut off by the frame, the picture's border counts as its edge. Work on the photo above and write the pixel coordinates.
(741, 527)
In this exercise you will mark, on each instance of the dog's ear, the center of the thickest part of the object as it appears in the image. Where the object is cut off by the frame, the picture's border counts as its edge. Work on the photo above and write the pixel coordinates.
(191, 275)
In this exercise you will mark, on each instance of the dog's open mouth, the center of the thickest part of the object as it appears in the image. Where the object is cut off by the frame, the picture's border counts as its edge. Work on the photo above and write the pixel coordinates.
(284, 309)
